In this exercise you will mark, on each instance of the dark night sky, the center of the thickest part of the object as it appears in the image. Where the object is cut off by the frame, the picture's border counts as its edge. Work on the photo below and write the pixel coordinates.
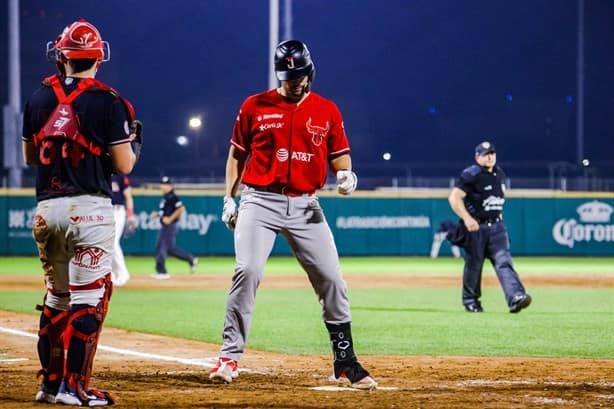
(423, 79)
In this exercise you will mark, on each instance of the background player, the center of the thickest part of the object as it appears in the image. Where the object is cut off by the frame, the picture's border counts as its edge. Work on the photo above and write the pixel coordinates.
(283, 141)
(123, 209)
(171, 209)
(478, 200)
(440, 235)
(73, 226)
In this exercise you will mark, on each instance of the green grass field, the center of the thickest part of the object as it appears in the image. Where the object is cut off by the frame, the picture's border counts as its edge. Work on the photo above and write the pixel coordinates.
(561, 322)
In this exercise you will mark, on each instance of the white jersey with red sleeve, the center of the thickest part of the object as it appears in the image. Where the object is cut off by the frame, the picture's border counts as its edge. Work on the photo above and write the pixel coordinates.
(289, 144)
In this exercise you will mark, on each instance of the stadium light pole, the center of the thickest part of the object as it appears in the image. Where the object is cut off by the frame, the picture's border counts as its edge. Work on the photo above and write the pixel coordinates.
(273, 39)
(274, 33)
(580, 86)
(287, 20)
(12, 111)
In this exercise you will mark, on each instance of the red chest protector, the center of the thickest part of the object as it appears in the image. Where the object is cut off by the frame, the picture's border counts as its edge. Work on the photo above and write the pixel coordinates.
(64, 123)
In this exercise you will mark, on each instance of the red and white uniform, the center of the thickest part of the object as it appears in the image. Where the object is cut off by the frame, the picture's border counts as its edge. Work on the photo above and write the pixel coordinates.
(290, 144)
(289, 149)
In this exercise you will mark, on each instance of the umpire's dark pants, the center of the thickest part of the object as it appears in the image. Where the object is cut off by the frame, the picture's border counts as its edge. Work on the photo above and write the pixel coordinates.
(490, 241)
(167, 244)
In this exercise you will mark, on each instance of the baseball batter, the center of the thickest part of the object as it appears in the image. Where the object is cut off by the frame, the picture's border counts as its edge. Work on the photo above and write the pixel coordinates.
(76, 131)
(282, 144)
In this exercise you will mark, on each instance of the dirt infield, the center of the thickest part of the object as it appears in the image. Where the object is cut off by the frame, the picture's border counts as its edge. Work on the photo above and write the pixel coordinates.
(222, 281)
(271, 380)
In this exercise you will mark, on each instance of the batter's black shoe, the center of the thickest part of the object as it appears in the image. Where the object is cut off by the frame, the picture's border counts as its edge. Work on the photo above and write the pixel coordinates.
(474, 307)
(519, 302)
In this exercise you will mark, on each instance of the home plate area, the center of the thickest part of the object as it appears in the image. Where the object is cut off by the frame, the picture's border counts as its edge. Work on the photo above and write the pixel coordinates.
(151, 371)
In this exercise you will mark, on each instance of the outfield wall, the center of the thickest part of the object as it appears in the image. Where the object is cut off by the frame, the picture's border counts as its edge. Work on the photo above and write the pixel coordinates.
(367, 223)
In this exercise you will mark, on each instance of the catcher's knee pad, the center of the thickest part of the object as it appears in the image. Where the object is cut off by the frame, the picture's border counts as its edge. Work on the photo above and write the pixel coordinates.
(50, 345)
(95, 294)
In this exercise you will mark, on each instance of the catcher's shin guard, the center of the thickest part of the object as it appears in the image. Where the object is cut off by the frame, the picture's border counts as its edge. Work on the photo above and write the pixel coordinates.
(50, 344)
(345, 361)
(84, 327)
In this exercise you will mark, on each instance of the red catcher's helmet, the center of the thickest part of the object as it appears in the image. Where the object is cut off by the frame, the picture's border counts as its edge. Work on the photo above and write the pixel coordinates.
(80, 40)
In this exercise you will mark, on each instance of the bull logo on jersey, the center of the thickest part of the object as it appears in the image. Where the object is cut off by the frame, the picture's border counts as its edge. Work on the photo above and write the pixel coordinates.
(318, 133)
(88, 257)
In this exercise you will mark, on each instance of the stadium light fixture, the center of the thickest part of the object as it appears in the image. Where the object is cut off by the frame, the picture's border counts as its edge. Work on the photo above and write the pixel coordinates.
(182, 140)
(195, 122)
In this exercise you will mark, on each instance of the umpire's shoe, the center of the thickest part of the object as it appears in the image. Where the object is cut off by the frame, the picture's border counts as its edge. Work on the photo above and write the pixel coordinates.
(519, 302)
(474, 307)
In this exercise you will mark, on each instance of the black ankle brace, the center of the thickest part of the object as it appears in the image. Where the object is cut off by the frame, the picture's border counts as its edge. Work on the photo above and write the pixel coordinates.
(343, 347)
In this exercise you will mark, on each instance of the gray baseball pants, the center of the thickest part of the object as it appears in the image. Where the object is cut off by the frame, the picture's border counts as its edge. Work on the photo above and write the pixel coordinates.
(263, 215)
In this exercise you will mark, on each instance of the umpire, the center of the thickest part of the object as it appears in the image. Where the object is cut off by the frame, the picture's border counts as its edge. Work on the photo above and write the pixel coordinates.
(171, 209)
(478, 200)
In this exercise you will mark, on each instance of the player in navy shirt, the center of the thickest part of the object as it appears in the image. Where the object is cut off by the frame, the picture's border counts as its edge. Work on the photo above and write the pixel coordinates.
(440, 236)
(76, 131)
(478, 200)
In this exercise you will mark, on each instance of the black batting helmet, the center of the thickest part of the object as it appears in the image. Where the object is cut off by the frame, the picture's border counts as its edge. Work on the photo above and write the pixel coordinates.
(292, 61)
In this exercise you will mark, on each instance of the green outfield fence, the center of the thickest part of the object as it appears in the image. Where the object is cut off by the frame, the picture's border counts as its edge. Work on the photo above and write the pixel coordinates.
(367, 223)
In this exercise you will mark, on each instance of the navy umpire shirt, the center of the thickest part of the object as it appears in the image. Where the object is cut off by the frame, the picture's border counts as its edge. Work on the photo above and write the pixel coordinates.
(485, 192)
(169, 203)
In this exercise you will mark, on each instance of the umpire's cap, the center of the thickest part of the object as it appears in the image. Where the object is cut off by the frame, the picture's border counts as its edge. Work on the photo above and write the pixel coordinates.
(484, 148)
(165, 180)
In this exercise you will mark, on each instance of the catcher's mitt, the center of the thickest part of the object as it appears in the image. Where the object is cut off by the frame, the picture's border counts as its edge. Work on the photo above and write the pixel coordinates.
(136, 128)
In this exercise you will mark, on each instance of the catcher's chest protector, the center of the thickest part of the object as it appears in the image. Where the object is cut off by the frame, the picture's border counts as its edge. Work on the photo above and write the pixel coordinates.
(63, 122)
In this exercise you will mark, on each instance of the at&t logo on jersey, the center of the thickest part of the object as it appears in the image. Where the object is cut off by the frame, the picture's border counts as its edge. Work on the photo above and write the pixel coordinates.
(302, 156)
(592, 226)
(282, 154)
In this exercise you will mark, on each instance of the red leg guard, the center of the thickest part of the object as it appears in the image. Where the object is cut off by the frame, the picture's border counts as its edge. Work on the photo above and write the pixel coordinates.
(82, 334)
(50, 344)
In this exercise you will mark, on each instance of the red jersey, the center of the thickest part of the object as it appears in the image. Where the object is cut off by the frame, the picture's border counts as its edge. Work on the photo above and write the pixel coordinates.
(289, 144)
